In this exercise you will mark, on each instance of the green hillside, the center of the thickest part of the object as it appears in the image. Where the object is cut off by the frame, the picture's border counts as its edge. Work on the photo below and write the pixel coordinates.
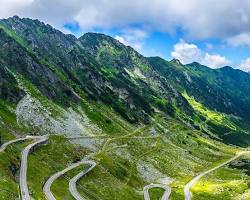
(142, 120)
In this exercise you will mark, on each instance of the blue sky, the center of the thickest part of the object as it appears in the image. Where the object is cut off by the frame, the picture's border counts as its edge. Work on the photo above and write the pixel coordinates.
(214, 33)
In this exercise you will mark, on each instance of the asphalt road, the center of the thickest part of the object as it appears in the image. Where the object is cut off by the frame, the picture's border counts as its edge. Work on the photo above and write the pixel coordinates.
(165, 187)
(47, 186)
(3, 146)
(73, 181)
(187, 192)
(24, 165)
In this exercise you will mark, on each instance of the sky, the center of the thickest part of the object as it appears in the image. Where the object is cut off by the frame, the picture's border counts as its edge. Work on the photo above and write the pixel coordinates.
(211, 32)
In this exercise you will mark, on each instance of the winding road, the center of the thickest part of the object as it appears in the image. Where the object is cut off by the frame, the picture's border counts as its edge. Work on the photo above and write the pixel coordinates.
(152, 185)
(187, 192)
(4, 146)
(24, 165)
(73, 181)
(47, 186)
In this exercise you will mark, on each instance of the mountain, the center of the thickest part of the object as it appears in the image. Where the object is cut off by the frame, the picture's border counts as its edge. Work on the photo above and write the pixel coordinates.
(142, 119)
(223, 90)
(102, 76)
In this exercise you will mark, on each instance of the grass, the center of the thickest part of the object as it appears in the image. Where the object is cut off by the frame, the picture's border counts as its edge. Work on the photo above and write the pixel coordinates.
(168, 146)
(107, 182)
(223, 184)
(60, 188)
(15, 36)
(172, 150)
(106, 119)
(175, 153)
(170, 156)
(210, 115)
(8, 120)
(49, 159)
(9, 170)
(156, 193)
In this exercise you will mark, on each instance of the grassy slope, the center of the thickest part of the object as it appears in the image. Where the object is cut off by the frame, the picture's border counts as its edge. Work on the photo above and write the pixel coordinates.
(175, 153)
(49, 159)
(171, 160)
(224, 184)
(9, 166)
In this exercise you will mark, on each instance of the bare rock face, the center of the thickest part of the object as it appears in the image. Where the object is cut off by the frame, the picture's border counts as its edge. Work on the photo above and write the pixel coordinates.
(148, 172)
(31, 112)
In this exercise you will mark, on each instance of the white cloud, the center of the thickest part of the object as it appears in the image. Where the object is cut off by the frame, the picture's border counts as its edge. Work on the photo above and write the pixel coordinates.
(245, 65)
(133, 37)
(11, 7)
(187, 53)
(243, 39)
(201, 19)
(215, 60)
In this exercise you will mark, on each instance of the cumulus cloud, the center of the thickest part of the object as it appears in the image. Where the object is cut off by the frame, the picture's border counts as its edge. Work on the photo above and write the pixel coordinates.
(215, 60)
(132, 37)
(187, 53)
(245, 65)
(200, 19)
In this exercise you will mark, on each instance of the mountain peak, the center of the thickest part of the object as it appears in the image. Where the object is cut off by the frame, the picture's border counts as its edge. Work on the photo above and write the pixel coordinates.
(15, 17)
(18, 20)
(96, 39)
(195, 64)
(176, 61)
(227, 68)
(93, 34)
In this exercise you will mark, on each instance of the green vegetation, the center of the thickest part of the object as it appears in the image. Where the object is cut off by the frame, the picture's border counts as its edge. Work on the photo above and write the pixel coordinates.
(13, 34)
(215, 117)
(225, 183)
(156, 193)
(9, 166)
(143, 120)
(49, 159)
